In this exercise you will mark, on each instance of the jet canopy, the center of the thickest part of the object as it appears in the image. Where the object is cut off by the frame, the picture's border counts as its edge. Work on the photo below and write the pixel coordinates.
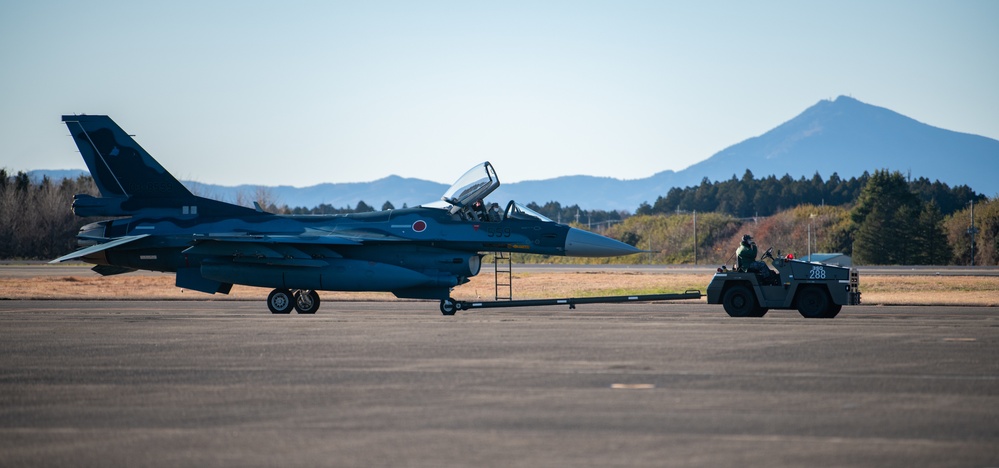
(515, 210)
(466, 198)
(478, 182)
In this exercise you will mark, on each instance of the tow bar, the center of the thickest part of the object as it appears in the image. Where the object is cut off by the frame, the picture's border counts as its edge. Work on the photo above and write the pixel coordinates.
(572, 301)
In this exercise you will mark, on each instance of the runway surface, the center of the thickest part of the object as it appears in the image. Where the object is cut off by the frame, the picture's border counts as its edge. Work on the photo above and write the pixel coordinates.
(221, 383)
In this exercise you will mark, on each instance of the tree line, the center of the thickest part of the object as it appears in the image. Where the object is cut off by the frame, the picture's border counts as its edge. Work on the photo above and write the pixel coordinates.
(749, 196)
(36, 219)
(594, 219)
(327, 209)
(889, 220)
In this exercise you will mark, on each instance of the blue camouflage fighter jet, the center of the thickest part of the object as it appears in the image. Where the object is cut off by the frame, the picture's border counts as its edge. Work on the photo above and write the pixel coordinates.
(422, 252)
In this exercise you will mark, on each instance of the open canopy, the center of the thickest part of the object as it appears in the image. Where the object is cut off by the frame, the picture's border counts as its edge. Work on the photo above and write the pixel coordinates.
(478, 182)
(467, 196)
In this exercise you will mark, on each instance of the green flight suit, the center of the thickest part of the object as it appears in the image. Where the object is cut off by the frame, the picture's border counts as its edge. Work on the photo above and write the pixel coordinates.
(745, 256)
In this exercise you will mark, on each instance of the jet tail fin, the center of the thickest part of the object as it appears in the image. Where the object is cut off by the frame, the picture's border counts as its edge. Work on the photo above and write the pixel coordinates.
(128, 177)
(119, 166)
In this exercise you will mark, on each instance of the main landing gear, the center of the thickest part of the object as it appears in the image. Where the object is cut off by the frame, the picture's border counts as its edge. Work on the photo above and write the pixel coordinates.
(281, 301)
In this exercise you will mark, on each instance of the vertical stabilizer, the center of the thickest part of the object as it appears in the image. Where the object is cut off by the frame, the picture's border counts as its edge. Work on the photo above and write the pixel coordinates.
(119, 166)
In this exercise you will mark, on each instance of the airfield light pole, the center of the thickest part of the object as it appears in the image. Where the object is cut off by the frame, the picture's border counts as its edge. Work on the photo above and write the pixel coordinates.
(809, 241)
(695, 237)
(811, 220)
(650, 246)
(972, 230)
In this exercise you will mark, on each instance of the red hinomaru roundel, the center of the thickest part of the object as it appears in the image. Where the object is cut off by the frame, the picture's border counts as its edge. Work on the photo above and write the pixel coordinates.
(420, 226)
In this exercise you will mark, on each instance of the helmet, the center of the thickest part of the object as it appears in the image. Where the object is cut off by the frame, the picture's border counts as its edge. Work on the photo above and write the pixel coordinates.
(746, 238)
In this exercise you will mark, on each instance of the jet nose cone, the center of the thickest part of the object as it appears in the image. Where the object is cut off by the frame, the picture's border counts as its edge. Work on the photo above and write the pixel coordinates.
(580, 243)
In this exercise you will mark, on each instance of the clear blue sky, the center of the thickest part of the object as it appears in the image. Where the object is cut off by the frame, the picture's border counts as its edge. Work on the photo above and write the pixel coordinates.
(299, 93)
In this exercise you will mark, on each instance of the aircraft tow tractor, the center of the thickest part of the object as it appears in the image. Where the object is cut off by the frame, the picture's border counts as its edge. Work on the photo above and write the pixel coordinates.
(816, 290)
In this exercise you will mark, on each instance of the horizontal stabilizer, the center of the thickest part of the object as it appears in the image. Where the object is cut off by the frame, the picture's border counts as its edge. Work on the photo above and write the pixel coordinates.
(99, 247)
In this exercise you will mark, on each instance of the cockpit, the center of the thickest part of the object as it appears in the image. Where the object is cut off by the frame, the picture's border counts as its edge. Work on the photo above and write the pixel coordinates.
(466, 199)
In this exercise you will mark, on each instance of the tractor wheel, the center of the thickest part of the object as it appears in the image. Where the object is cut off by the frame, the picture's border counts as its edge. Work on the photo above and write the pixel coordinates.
(813, 302)
(739, 301)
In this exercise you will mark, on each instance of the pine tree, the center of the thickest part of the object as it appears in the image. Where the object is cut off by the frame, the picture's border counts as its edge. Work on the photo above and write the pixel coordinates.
(869, 246)
(895, 227)
(931, 235)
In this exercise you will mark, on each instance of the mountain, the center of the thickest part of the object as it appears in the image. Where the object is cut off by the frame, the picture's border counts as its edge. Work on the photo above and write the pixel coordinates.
(844, 136)
(394, 189)
(849, 137)
(589, 192)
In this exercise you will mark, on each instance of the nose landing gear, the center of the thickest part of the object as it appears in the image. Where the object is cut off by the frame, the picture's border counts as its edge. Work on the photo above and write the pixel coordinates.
(449, 306)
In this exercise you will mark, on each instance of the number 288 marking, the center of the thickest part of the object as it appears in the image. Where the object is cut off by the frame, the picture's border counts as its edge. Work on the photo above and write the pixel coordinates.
(817, 272)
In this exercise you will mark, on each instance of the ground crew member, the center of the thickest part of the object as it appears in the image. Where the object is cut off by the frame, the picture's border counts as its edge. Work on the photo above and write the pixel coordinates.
(745, 255)
(746, 261)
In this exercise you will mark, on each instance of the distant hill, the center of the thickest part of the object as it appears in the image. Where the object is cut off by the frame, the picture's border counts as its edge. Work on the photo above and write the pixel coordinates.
(850, 137)
(394, 189)
(844, 136)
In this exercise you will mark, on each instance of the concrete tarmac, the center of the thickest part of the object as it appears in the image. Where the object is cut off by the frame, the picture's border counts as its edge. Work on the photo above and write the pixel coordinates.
(222, 383)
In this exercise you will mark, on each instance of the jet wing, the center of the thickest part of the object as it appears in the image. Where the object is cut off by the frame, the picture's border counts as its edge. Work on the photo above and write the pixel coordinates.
(361, 236)
(99, 247)
(286, 250)
(280, 239)
(303, 251)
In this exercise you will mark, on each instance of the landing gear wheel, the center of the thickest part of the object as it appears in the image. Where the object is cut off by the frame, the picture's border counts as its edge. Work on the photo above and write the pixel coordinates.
(306, 301)
(279, 301)
(740, 302)
(813, 302)
(449, 306)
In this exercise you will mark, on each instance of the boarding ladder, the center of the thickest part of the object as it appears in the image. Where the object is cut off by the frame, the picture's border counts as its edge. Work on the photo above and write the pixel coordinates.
(503, 272)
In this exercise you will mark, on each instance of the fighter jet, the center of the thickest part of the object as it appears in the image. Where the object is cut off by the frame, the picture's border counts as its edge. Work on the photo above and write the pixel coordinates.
(422, 252)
